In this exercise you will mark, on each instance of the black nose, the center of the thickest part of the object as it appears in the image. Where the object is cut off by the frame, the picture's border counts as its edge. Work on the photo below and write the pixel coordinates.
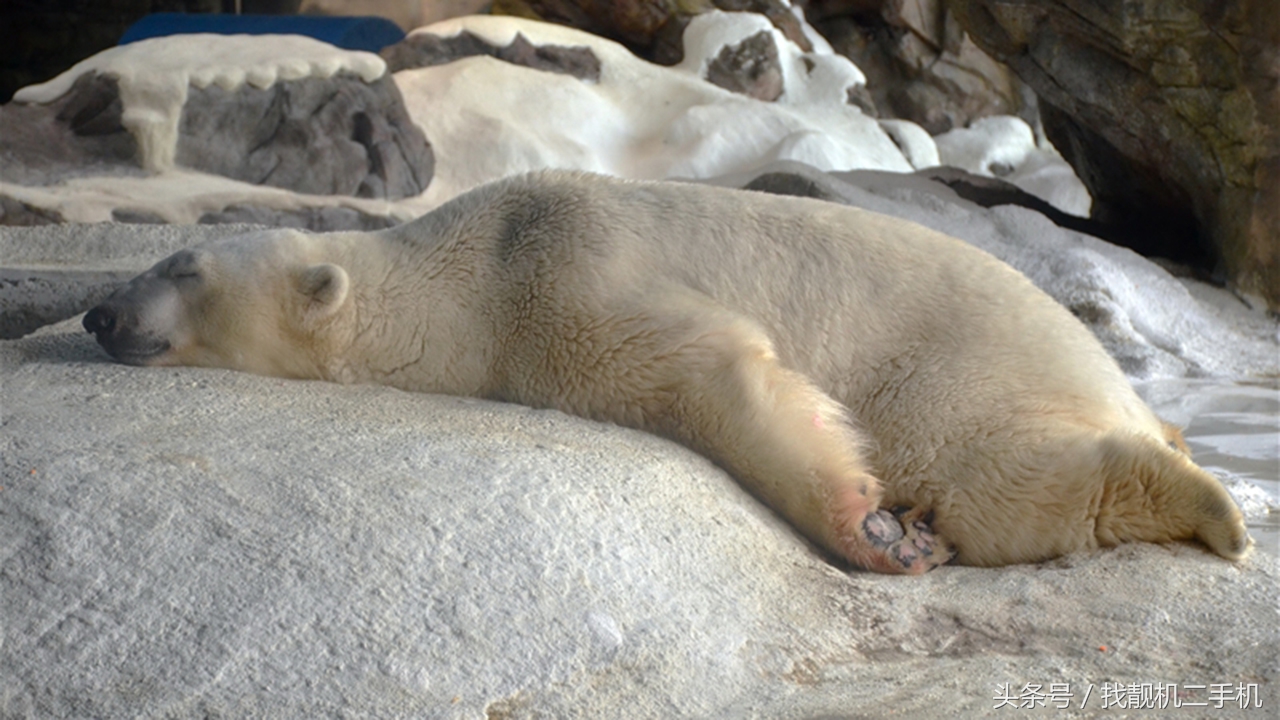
(100, 321)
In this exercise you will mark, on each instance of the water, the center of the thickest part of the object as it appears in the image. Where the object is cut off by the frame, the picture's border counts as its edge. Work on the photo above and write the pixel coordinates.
(1233, 430)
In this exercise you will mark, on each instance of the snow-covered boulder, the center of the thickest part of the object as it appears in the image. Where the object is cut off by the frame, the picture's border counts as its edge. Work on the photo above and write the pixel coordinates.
(1004, 146)
(488, 119)
(281, 111)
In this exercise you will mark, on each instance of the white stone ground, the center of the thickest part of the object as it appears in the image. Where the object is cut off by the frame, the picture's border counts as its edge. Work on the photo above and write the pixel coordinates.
(187, 542)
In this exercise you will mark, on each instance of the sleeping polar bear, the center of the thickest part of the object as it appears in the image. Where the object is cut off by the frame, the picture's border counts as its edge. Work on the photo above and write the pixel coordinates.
(835, 361)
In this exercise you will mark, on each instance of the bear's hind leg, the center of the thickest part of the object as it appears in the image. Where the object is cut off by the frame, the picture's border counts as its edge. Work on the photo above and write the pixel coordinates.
(697, 373)
(1154, 494)
(791, 445)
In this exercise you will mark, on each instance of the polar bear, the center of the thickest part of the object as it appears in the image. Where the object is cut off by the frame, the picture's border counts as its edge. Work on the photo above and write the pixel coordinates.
(841, 364)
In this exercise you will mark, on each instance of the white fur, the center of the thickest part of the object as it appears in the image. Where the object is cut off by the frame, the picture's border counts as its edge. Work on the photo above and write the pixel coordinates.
(829, 357)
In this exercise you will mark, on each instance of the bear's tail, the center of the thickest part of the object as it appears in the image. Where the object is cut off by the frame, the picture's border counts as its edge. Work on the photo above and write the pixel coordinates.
(1153, 493)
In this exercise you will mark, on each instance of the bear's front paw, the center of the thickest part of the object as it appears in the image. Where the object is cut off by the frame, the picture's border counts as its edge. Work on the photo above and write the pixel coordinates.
(906, 541)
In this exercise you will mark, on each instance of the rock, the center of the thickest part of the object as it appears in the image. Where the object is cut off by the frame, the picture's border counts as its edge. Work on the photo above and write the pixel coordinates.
(16, 212)
(181, 541)
(1147, 319)
(78, 133)
(652, 29)
(503, 117)
(32, 298)
(315, 219)
(427, 50)
(917, 147)
(334, 136)
(1003, 146)
(990, 192)
(291, 113)
(920, 65)
(1170, 112)
(497, 119)
(749, 67)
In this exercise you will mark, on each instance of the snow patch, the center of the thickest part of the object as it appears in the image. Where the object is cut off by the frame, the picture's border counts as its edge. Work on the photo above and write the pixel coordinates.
(178, 196)
(914, 142)
(1004, 146)
(487, 119)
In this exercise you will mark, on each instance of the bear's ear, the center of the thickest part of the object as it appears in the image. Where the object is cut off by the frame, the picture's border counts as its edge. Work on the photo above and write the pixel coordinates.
(325, 287)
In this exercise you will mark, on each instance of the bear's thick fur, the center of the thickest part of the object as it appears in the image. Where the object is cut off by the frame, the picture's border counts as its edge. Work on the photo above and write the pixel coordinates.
(836, 361)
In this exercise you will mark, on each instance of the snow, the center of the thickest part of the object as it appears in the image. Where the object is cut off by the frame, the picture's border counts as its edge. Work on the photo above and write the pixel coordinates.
(641, 120)
(177, 196)
(914, 142)
(815, 79)
(154, 75)
(488, 119)
(1004, 146)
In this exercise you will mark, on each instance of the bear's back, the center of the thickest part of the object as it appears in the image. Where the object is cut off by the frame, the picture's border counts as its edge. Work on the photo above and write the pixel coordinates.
(876, 309)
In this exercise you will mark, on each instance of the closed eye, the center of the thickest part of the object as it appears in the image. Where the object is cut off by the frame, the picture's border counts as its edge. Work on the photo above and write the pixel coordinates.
(184, 266)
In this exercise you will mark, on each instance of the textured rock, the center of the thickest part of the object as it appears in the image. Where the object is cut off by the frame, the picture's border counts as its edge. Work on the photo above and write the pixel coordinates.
(316, 219)
(652, 29)
(183, 542)
(920, 65)
(1170, 112)
(750, 67)
(332, 136)
(1004, 146)
(79, 133)
(15, 212)
(335, 136)
(426, 50)
(33, 298)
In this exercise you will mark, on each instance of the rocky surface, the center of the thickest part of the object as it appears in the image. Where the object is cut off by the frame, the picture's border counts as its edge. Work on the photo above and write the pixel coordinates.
(331, 136)
(750, 67)
(1170, 112)
(652, 29)
(77, 134)
(427, 50)
(178, 541)
(920, 64)
(181, 542)
(1154, 324)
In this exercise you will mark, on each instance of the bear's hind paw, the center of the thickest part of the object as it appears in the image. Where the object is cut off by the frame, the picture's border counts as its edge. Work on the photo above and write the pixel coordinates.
(903, 542)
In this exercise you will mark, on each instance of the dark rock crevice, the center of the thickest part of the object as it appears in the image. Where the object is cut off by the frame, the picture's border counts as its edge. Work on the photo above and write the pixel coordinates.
(1169, 111)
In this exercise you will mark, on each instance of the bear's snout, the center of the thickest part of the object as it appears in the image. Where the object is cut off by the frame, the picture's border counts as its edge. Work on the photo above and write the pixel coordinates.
(134, 324)
(100, 321)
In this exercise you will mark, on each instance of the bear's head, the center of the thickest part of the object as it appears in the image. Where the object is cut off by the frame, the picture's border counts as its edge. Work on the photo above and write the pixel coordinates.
(264, 303)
